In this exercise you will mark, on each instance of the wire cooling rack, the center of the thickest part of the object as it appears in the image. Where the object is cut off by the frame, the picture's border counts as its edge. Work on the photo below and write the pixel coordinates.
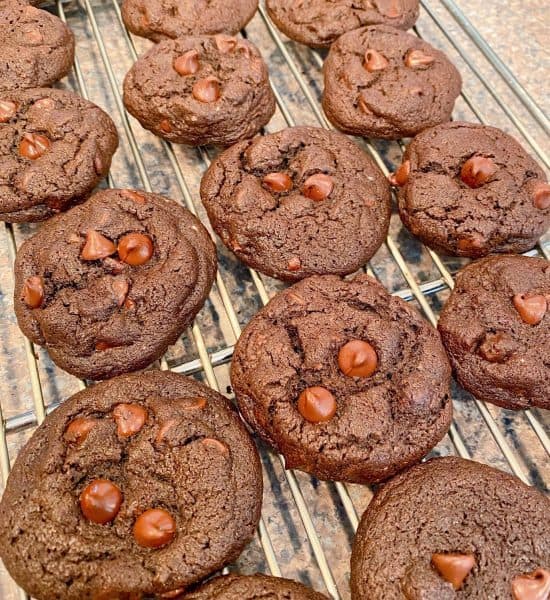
(307, 526)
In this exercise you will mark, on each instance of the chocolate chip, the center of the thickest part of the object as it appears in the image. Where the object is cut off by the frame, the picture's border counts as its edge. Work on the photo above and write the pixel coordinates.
(532, 586)
(97, 246)
(454, 567)
(541, 196)
(187, 63)
(165, 126)
(401, 175)
(416, 59)
(374, 61)
(363, 106)
(8, 110)
(531, 308)
(207, 90)
(316, 404)
(471, 243)
(294, 263)
(477, 171)
(134, 196)
(497, 347)
(225, 43)
(45, 104)
(98, 164)
(102, 346)
(277, 182)
(192, 403)
(100, 501)
(318, 187)
(78, 429)
(129, 419)
(215, 445)
(164, 429)
(120, 290)
(135, 249)
(33, 291)
(172, 594)
(154, 528)
(357, 358)
(34, 145)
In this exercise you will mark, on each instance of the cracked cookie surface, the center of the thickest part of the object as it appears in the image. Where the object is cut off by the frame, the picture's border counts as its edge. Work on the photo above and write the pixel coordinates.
(494, 523)
(298, 202)
(384, 83)
(496, 329)
(318, 23)
(470, 190)
(162, 19)
(55, 147)
(201, 90)
(107, 286)
(253, 587)
(37, 48)
(380, 422)
(188, 454)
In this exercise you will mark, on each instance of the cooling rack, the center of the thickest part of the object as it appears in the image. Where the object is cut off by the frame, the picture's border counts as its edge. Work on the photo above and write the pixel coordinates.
(307, 526)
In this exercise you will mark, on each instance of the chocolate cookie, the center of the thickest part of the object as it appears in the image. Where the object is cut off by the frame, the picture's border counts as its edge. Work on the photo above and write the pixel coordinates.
(318, 23)
(107, 286)
(162, 19)
(37, 48)
(143, 484)
(346, 381)
(298, 202)
(453, 528)
(384, 83)
(469, 190)
(253, 587)
(201, 90)
(496, 329)
(55, 147)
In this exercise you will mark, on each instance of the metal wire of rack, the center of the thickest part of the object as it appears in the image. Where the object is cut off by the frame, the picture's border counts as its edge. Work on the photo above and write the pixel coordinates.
(307, 526)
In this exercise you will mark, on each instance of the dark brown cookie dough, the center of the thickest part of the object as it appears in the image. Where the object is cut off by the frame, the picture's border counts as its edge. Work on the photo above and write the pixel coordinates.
(201, 90)
(37, 48)
(298, 202)
(469, 190)
(384, 83)
(318, 23)
(253, 587)
(55, 147)
(451, 528)
(107, 286)
(496, 329)
(162, 19)
(289, 376)
(180, 497)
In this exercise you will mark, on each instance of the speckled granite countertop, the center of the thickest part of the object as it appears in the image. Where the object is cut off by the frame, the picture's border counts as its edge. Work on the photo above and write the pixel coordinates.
(519, 32)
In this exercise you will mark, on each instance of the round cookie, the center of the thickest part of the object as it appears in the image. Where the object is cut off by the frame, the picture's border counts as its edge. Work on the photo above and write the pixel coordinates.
(298, 202)
(107, 286)
(253, 587)
(201, 90)
(452, 528)
(55, 147)
(163, 19)
(346, 381)
(384, 83)
(469, 190)
(141, 485)
(496, 329)
(37, 47)
(318, 23)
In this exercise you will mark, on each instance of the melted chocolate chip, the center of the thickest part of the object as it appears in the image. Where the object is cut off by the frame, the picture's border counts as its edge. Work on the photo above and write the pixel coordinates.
(316, 404)
(100, 501)
(154, 528)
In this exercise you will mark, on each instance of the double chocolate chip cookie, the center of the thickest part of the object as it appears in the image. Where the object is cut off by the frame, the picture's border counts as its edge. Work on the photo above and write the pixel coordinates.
(452, 528)
(469, 190)
(107, 286)
(318, 23)
(496, 329)
(37, 48)
(201, 90)
(55, 147)
(298, 202)
(346, 381)
(253, 587)
(162, 19)
(141, 485)
(384, 83)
